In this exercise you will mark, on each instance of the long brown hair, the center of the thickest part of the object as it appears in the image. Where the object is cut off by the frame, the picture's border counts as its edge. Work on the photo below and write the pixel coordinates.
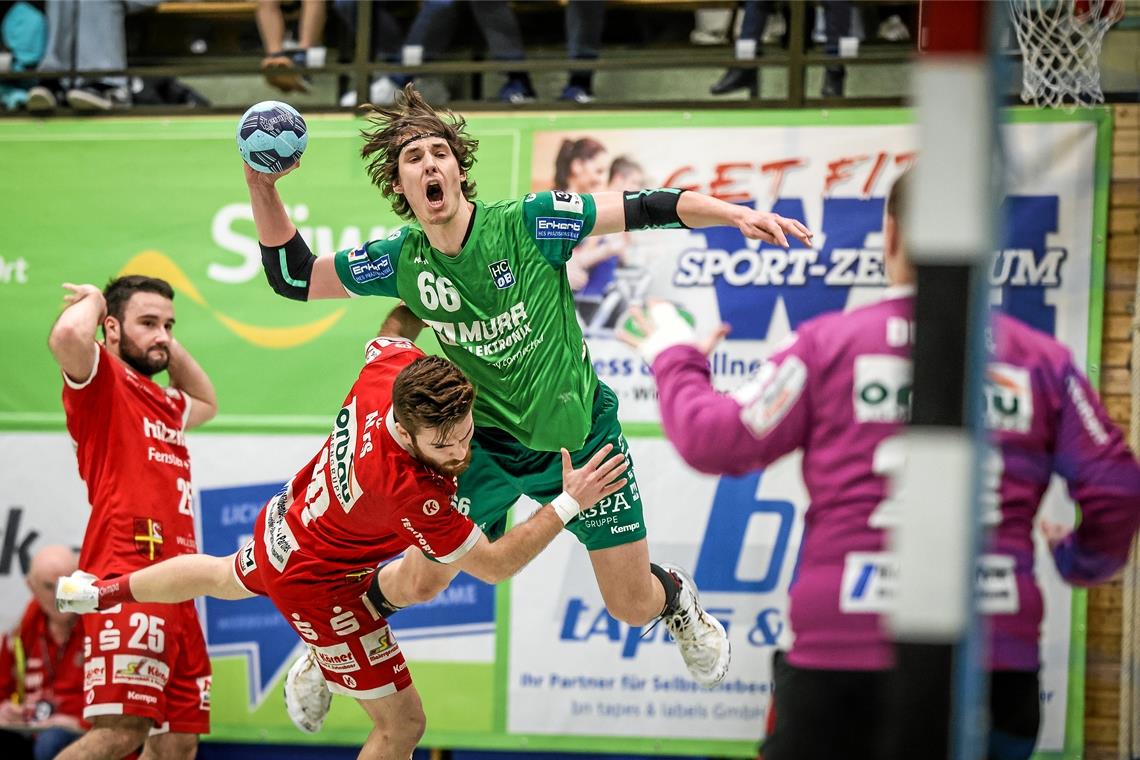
(570, 151)
(431, 392)
(390, 127)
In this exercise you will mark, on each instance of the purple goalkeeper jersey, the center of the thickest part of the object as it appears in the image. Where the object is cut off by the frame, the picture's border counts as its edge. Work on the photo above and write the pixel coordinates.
(839, 389)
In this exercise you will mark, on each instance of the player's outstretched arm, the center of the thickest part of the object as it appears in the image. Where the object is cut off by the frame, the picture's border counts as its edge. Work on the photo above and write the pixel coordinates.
(171, 581)
(72, 339)
(713, 432)
(1103, 478)
(290, 267)
(668, 207)
(188, 376)
(582, 488)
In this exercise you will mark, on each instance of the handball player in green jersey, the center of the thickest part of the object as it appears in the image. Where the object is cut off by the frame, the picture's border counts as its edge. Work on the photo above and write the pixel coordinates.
(490, 280)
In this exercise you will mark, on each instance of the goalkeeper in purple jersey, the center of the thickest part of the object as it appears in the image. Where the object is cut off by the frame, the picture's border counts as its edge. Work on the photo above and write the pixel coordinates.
(490, 280)
(839, 389)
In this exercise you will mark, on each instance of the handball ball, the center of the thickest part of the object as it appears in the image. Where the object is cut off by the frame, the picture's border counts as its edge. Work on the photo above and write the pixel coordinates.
(271, 136)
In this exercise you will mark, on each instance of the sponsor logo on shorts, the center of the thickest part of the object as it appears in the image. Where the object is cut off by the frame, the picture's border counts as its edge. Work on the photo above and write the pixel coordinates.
(882, 388)
(94, 673)
(431, 507)
(205, 685)
(379, 645)
(148, 699)
(139, 671)
(349, 681)
(148, 537)
(564, 201)
(367, 271)
(501, 274)
(625, 528)
(336, 659)
(246, 560)
(1009, 398)
(553, 228)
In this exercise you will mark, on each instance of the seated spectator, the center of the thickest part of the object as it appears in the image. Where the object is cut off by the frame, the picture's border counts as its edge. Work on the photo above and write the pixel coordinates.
(46, 648)
(278, 63)
(86, 35)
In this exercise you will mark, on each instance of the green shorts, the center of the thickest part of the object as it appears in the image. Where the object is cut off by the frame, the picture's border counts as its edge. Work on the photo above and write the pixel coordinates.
(502, 469)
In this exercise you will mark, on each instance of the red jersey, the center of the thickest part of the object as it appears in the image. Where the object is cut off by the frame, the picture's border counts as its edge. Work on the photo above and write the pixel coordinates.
(128, 435)
(363, 498)
(53, 673)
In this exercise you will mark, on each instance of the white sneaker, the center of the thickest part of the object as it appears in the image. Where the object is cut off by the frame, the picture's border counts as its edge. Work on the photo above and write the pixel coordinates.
(307, 698)
(894, 30)
(77, 593)
(774, 28)
(382, 92)
(701, 638)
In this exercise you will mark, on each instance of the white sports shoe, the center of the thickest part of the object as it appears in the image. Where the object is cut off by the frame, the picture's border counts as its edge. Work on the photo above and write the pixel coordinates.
(307, 698)
(701, 638)
(77, 593)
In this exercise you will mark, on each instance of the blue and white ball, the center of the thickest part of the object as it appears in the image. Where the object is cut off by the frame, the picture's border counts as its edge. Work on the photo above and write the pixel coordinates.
(271, 136)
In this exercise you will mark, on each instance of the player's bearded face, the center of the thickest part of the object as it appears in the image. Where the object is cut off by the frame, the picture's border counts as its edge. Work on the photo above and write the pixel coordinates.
(145, 333)
(450, 455)
(430, 180)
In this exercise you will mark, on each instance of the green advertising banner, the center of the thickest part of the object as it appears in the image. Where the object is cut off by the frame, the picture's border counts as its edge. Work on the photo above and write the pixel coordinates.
(535, 663)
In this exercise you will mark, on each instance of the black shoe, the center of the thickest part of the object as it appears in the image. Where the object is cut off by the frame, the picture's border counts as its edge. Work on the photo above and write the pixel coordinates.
(833, 79)
(737, 79)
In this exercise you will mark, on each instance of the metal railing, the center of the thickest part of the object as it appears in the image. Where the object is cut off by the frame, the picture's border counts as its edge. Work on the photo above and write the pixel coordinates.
(796, 59)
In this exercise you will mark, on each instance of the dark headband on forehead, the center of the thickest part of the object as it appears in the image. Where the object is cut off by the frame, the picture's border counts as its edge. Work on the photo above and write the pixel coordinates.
(417, 136)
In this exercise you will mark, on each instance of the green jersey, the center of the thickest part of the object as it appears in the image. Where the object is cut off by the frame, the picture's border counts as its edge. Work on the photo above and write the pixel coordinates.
(502, 309)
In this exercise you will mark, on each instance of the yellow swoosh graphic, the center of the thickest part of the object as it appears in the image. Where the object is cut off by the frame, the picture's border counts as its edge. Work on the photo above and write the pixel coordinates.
(158, 264)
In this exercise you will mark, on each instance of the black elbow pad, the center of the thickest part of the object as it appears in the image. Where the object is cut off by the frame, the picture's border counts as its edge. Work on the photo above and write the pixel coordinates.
(289, 268)
(653, 209)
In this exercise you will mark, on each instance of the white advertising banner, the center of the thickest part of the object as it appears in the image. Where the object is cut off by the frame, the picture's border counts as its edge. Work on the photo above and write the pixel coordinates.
(576, 670)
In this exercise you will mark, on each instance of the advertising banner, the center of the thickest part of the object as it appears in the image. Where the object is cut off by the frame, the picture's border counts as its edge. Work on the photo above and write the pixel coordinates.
(538, 662)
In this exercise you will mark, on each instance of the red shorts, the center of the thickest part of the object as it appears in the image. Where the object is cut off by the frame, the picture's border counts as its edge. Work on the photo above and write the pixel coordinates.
(148, 660)
(349, 639)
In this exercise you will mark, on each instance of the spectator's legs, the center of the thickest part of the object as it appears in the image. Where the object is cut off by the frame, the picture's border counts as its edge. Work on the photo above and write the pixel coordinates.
(100, 44)
(270, 26)
(751, 27)
(276, 65)
(51, 741)
(312, 23)
(500, 29)
(59, 54)
(585, 20)
(387, 39)
(433, 28)
(837, 17)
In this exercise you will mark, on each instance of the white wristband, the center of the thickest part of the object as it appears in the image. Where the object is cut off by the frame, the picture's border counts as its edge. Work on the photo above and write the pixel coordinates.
(566, 506)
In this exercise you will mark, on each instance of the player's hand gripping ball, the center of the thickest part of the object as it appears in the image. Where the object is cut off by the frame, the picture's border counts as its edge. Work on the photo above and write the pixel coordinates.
(631, 327)
(271, 136)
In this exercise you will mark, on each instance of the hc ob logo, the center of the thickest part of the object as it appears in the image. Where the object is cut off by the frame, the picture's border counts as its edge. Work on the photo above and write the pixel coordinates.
(717, 571)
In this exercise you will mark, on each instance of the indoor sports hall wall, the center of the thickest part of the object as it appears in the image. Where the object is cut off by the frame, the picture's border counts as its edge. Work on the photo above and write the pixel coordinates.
(538, 664)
